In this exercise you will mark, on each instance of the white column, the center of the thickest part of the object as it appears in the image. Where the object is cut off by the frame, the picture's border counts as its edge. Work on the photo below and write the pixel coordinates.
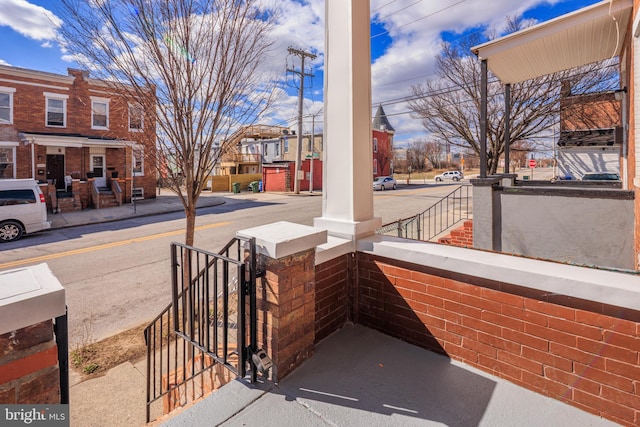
(347, 199)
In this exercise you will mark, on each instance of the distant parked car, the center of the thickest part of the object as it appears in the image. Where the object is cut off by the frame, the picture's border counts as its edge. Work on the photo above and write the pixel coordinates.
(384, 183)
(601, 176)
(453, 175)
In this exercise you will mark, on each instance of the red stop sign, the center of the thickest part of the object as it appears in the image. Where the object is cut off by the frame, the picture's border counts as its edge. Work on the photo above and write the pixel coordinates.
(532, 163)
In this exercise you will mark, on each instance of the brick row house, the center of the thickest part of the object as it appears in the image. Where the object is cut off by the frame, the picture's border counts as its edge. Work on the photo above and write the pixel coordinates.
(88, 144)
(382, 133)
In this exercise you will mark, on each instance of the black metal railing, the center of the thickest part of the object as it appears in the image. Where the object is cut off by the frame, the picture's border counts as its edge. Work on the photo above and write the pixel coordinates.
(61, 331)
(205, 333)
(444, 214)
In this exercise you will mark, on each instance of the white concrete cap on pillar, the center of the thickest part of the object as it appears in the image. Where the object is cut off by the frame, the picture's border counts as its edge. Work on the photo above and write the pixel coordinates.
(284, 238)
(28, 296)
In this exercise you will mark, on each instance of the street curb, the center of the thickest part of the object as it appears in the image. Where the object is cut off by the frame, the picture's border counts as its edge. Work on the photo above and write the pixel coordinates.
(136, 215)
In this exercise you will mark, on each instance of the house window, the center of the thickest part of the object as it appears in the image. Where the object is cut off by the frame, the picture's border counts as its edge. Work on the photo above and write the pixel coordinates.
(99, 113)
(266, 149)
(56, 109)
(7, 160)
(286, 145)
(375, 166)
(138, 161)
(6, 104)
(136, 118)
(137, 193)
(277, 153)
(375, 145)
(310, 144)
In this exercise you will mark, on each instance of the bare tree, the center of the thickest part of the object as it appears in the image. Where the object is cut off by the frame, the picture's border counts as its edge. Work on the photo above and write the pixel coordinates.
(201, 58)
(434, 151)
(450, 106)
(417, 155)
(519, 154)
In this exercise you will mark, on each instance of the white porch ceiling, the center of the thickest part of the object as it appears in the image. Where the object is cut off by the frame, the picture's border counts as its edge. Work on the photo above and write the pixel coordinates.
(587, 35)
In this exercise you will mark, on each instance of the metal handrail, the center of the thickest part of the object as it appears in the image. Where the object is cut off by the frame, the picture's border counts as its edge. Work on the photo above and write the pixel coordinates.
(442, 215)
(195, 333)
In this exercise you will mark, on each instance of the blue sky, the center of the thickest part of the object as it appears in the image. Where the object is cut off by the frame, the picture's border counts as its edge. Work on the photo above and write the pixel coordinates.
(406, 37)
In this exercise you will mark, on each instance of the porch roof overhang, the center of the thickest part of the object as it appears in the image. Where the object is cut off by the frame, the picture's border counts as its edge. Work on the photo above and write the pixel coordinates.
(587, 35)
(71, 141)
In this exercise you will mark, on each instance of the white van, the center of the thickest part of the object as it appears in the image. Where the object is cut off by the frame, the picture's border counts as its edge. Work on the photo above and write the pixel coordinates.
(23, 209)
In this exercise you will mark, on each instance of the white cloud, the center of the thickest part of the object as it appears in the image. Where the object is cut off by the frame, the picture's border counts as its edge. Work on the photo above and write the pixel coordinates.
(30, 20)
(3, 62)
(416, 32)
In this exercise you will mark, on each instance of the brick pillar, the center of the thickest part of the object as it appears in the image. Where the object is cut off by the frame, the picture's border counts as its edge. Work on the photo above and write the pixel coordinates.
(29, 366)
(286, 294)
(286, 308)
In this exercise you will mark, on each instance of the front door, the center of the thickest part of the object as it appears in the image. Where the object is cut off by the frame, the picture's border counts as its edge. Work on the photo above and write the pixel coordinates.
(55, 169)
(97, 166)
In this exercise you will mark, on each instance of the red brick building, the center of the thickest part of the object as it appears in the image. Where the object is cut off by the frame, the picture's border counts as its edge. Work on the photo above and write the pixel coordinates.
(382, 133)
(69, 132)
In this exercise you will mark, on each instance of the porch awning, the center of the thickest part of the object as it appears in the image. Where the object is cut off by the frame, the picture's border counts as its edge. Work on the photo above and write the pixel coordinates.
(72, 141)
(591, 34)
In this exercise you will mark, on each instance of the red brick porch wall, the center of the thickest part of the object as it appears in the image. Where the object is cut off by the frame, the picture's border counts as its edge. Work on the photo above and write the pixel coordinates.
(332, 295)
(29, 366)
(461, 236)
(583, 353)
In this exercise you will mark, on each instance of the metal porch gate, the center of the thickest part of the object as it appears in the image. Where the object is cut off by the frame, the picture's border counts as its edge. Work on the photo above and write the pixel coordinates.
(209, 329)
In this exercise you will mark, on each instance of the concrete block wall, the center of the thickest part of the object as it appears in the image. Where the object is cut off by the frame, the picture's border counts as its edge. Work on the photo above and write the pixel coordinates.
(29, 370)
(579, 352)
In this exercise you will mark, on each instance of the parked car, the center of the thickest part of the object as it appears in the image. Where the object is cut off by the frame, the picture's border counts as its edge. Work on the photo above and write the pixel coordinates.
(601, 176)
(23, 209)
(384, 183)
(453, 175)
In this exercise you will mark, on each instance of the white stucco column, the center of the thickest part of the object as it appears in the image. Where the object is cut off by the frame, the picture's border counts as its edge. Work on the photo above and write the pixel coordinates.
(347, 200)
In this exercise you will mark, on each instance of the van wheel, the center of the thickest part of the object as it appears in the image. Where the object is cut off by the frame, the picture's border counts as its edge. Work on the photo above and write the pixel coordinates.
(10, 231)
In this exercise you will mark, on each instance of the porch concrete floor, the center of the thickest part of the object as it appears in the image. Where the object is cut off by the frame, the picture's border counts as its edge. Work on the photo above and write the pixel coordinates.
(360, 377)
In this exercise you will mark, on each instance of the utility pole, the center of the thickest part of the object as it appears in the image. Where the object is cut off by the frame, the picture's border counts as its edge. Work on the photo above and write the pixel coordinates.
(302, 54)
(313, 147)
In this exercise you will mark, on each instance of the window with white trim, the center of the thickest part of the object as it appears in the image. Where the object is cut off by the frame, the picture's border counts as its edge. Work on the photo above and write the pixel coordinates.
(56, 105)
(138, 161)
(375, 166)
(137, 193)
(99, 113)
(6, 105)
(136, 118)
(7, 160)
(375, 145)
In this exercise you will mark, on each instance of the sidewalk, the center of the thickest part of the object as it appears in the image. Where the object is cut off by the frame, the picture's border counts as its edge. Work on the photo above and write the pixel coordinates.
(165, 202)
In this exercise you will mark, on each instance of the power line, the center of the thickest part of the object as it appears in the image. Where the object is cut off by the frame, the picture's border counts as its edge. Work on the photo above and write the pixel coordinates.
(420, 19)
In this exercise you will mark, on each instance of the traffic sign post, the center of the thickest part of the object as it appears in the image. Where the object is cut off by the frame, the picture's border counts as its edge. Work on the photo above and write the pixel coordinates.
(532, 165)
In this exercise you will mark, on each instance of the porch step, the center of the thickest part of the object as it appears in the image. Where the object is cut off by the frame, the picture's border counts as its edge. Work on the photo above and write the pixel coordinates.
(108, 200)
(68, 204)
